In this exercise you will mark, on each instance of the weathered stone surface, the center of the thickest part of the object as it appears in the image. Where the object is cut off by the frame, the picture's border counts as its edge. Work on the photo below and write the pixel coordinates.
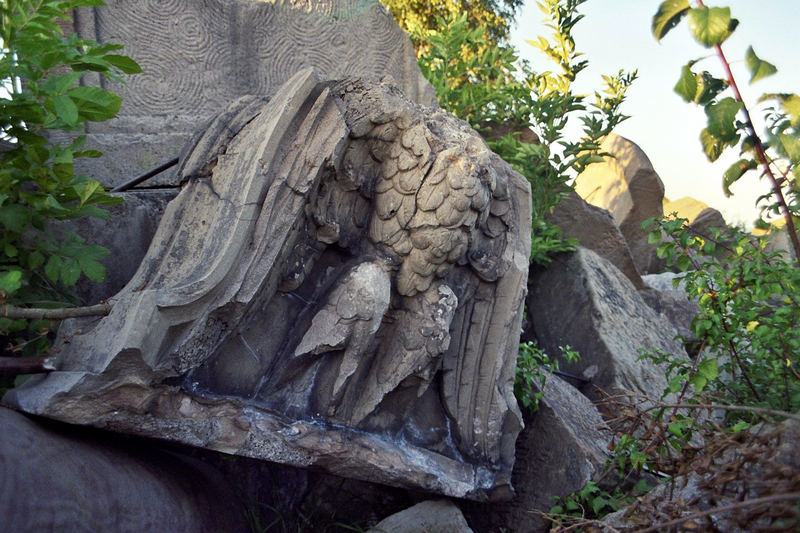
(440, 516)
(629, 188)
(126, 234)
(673, 303)
(583, 301)
(562, 447)
(54, 478)
(200, 55)
(339, 284)
(595, 229)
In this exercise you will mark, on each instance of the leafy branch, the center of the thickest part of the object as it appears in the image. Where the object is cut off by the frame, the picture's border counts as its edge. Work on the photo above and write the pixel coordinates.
(711, 26)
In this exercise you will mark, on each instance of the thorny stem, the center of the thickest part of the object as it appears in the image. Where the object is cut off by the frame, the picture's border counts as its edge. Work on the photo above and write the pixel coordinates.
(760, 151)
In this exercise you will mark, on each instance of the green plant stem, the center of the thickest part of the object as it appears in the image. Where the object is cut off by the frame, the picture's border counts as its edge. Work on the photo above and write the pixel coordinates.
(32, 313)
(760, 152)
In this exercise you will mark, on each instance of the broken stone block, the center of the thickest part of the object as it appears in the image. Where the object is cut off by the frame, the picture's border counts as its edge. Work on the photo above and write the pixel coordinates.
(58, 478)
(595, 229)
(673, 303)
(564, 445)
(440, 516)
(339, 285)
(583, 301)
(629, 188)
(198, 56)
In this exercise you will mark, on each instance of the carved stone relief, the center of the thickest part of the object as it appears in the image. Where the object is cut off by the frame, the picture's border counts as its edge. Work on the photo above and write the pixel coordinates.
(339, 284)
(198, 56)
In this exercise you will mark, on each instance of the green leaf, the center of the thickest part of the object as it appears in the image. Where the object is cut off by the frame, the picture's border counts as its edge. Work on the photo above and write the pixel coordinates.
(791, 106)
(15, 217)
(734, 172)
(70, 272)
(10, 250)
(710, 26)
(698, 381)
(94, 103)
(721, 119)
(712, 146)
(791, 145)
(654, 236)
(708, 368)
(61, 83)
(708, 87)
(53, 268)
(669, 14)
(35, 260)
(66, 109)
(757, 66)
(687, 84)
(675, 429)
(10, 281)
(93, 270)
(86, 189)
(87, 153)
(124, 63)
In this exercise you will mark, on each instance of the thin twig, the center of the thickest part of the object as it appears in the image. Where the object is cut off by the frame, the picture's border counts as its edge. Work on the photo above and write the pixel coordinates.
(757, 410)
(32, 313)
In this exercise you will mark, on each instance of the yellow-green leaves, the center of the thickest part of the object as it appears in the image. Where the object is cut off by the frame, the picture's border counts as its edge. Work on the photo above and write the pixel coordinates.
(712, 146)
(734, 172)
(757, 66)
(721, 119)
(710, 26)
(669, 14)
(707, 370)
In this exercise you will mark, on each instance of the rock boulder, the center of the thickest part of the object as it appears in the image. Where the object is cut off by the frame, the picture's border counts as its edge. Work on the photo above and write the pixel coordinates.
(583, 301)
(629, 188)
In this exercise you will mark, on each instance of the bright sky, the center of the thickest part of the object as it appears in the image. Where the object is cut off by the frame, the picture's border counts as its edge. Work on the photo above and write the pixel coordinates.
(616, 34)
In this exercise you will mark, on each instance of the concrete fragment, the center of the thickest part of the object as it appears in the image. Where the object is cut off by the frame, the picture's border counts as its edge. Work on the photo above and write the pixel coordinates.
(673, 303)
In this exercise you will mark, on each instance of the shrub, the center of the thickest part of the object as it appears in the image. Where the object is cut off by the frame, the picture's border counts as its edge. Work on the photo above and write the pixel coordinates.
(40, 70)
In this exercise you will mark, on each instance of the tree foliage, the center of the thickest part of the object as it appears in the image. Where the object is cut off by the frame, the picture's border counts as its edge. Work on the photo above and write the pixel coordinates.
(419, 17)
(486, 85)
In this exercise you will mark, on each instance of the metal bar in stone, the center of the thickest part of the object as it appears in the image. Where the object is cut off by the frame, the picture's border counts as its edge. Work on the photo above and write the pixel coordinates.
(14, 366)
(145, 176)
(562, 374)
